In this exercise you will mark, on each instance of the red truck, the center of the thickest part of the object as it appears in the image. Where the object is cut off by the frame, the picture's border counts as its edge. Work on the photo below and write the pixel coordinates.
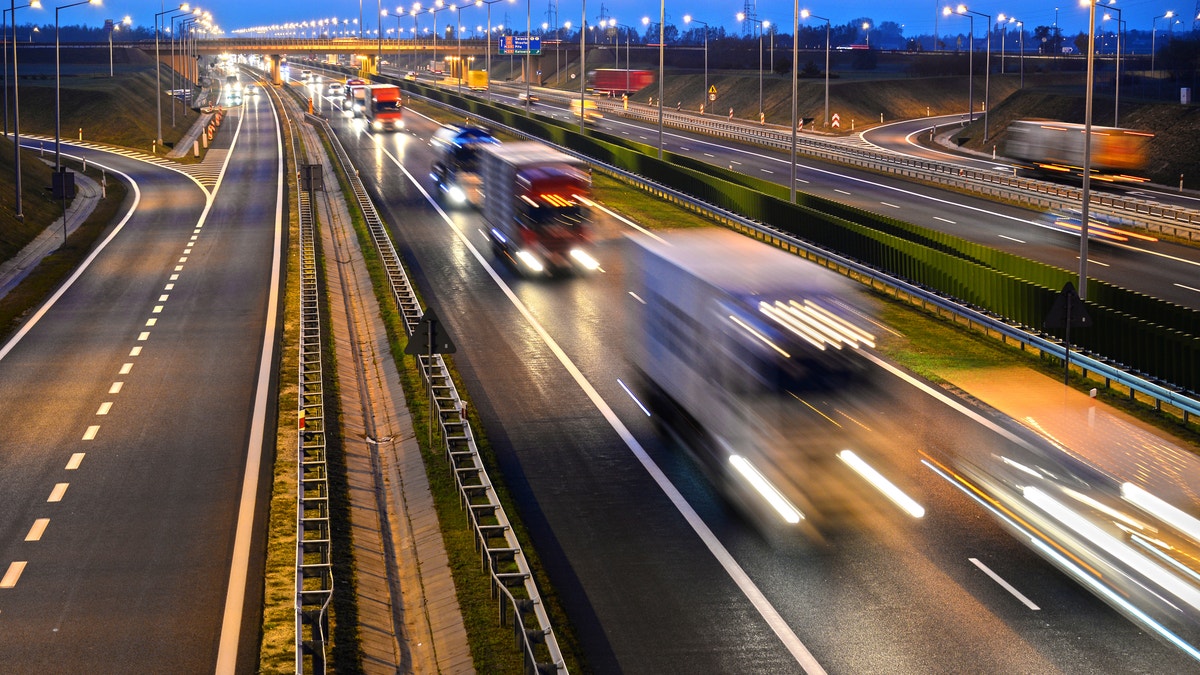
(619, 80)
(380, 104)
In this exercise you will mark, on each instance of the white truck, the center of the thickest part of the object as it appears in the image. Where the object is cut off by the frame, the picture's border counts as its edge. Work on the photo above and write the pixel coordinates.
(456, 168)
(735, 341)
(536, 201)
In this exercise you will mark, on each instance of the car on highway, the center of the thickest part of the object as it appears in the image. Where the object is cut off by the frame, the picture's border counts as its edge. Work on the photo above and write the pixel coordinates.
(410, 75)
(306, 76)
(531, 97)
(336, 90)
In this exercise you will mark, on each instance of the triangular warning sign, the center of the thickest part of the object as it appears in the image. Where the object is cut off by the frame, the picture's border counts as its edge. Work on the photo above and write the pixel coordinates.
(429, 333)
(1068, 307)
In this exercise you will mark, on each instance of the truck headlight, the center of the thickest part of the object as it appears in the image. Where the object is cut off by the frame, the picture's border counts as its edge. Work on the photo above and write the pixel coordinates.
(377, 125)
(588, 262)
(531, 261)
(456, 194)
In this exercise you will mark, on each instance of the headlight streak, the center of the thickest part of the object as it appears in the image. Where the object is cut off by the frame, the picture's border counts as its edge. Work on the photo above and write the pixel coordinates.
(1121, 602)
(765, 340)
(777, 501)
(1146, 543)
(1107, 510)
(587, 261)
(1162, 510)
(1113, 546)
(530, 261)
(810, 407)
(889, 489)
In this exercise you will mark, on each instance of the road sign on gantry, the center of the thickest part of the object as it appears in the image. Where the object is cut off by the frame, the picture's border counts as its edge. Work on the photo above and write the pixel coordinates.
(521, 45)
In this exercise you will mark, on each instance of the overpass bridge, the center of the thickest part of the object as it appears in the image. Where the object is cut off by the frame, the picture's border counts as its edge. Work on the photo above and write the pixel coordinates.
(369, 52)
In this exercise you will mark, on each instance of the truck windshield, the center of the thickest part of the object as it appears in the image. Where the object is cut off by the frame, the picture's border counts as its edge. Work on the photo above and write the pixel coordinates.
(387, 105)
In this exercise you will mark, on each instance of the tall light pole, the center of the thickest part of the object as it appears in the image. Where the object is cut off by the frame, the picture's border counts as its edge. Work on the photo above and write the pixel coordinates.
(1003, 20)
(628, 31)
(970, 62)
(58, 84)
(582, 63)
(867, 29)
(488, 65)
(184, 18)
(36, 4)
(1153, 33)
(687, 18)
(741, 16)
(113, 27)
(795, 93)
(1085, 198)
(662, 11)
(987, 67)
(158, 65)
(1021, 28)
(805, 14)
(20, 212)
(1117, 82)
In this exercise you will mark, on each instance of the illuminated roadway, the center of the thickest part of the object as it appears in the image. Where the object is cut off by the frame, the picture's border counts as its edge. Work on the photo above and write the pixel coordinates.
(133, 407)
(657, 573)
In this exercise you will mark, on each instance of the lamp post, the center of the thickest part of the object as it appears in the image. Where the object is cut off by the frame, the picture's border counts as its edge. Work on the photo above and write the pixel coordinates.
(184, 18)
(582, 63)
(805, 14)
(1117, 82)
(662, 10)
(488, 65)
(158, 65)
(795, 92)
(1153, 33)
(687, 18)
(1087, 151)
(415, 34)
(115, 27)
(970, 14)
(19, 213)
(867, 29)
(58, 84)
(741, 16)
(628, 31)
(36, 4)
(1003, 21)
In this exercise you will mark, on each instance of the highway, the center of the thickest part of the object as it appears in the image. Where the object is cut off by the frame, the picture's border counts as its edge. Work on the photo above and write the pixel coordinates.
(139, 403)
(657, 572)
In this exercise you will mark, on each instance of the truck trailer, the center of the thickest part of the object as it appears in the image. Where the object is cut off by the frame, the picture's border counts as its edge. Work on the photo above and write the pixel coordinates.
(738, 345)
(456, 169)
(536, 202)
(619, 80)
(381, 105)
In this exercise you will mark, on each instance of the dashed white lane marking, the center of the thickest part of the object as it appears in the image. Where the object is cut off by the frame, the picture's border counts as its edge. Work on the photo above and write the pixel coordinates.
(142, 337)
(104, 408)
(163, 298)
(193, 238)
(183, 259)
(57, 493)
(14, 572)
(75, 461)
(1019, 241)
(90, 434)
(1004, 584)
(187, 251)
(175, 277)
(1188, 288)
(891, 205)
(157, 309)
(150, 322)
(944, 220)
(125, 368)
(116, 387)
(38, 529)
(137, 350)
(766, 171)
(178, 268)
(841, 191)
(169, 287)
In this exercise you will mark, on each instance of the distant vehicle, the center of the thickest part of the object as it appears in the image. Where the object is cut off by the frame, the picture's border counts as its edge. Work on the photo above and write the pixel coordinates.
(336, 90)
(731, 338)
(1100, 227)
(410, 75)
(1056, 148)
(619, 80)
(532, 97)
(535, 201)
(381, 105)
(456, 169)
(477, 79)
(233, 97)
(306, 76)
(590, 113)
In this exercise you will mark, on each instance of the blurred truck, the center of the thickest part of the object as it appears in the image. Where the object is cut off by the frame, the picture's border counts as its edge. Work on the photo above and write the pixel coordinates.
(456, 169)
(536, 203)
(734, 341)
(586, 108)
(380, 104)
(477, 79)
(1056, 148)
(619, 80)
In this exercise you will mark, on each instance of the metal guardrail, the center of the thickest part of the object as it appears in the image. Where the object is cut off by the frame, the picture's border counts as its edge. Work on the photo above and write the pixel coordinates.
(500, 551)
(1111, 372)
(1178, 222)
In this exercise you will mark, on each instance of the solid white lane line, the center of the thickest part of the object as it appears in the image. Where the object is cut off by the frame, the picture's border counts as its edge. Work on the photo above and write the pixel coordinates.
(75, 461)
(1188, 288)
(150, 322)
(57, 493)
(14, 572)
(116, 387)
(125, 368)
(1004, 584)
(90, 434)
(39, 528)
(104, 408)
(1004, 236)
(137, 350)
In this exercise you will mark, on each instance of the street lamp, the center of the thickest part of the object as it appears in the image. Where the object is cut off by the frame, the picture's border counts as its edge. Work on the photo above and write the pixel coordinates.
(628, 31)
(1117, 83)
(867, 29)
(1087, 149)
(795, 93)
(58, 85)
(970, 14)
(1003, 20)
(662, 11)
(184, 18)
(1153, 22)
(488, 65)
(805, 14)
(127, 21)
(158, 64)
(36, 4)
(741, 16)
(687, 18)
